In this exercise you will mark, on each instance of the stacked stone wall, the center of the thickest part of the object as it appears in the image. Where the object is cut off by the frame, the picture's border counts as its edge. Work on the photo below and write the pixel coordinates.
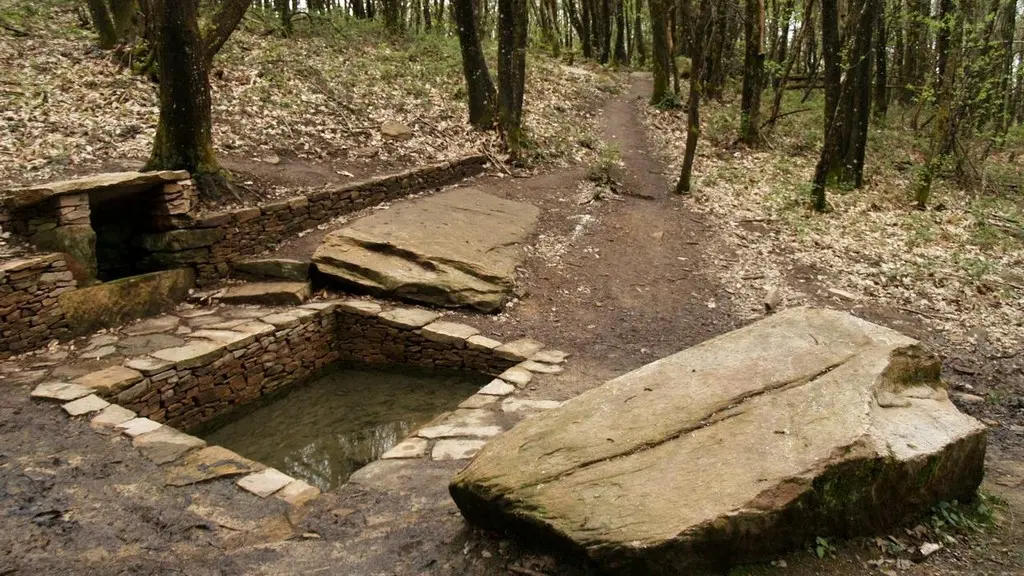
(213, 241)
(260, 357)
(30, 315)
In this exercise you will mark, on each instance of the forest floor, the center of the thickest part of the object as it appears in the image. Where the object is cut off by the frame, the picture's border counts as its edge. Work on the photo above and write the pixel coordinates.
(619, 276)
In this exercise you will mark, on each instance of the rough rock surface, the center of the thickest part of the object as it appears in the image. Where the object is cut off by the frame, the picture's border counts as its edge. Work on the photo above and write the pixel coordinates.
(809, 422)
(459, 248)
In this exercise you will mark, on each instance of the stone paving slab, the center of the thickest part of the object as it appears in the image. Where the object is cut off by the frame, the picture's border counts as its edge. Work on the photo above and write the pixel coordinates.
(451, 333)
(110, 380)
(497, 387)
(541, 367)
(85, 405)
(159, 324)
(138, 426)
(298, 493)
(549, 356)
(191, 355)
(460, 449)
(60, 391)
(268, 293)
(519, 350)
(149, 365)
(482, 343)
(450, 431)
(265, 482)
(516, 375)
(207, 464)
(409, 448)
(111, 416)
(410, 318)
(166, 444)
(361, 308)
(479, 401)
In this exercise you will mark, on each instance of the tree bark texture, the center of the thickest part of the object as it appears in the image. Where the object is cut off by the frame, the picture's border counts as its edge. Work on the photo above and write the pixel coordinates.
(479, 87)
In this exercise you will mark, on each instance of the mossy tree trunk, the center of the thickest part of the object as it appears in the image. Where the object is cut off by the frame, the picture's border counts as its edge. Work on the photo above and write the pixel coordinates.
(513, 25)
(660, 56)
(753, 73)
(103, 22)
(479, 87)
(184, 139)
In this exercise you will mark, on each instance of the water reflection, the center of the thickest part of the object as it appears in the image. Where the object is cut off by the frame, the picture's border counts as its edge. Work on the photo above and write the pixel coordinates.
(323, 431)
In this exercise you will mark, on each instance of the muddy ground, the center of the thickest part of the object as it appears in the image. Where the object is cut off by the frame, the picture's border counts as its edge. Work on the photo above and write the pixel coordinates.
(618, 280)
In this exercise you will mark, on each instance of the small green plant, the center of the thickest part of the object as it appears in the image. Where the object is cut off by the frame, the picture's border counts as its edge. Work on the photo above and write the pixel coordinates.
(823, 548)
(607, 160)
(949, 518)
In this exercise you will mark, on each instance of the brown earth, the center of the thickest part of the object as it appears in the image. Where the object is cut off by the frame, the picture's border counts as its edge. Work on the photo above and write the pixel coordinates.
(618, 281)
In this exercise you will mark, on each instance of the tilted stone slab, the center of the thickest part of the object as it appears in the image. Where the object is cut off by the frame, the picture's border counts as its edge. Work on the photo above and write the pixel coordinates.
(111, 416)
(457, 248)
(85, 405)
(410, 318)
(265, 482)
(806, 423)
(268, 293)
(451, 333)
(519, 350)
(192, 355)
(166, 444)
(60, 391)
(207, 464)
(110, 380)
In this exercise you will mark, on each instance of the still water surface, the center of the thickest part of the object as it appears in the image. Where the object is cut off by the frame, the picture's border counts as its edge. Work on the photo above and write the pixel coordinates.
(325, 430)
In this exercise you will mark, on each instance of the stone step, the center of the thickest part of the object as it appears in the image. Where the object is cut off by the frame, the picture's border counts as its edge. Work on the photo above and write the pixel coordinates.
(272, 268)
(268, 293)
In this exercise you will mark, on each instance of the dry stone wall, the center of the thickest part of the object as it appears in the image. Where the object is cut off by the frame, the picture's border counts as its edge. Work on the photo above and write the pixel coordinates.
(29, 308)
(213, 241)
(220, 369)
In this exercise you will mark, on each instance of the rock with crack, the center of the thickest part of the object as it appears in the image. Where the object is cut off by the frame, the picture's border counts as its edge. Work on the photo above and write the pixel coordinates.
(808, 422)
(458, 248)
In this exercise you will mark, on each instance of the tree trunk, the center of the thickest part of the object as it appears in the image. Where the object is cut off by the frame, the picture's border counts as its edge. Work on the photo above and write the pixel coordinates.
(659, 51)
(753, 73)
(881, 98)
(184, 139)
(697, 51)
(860, 112)
(104, 24)
(479, 86)
(227, 17)
(513, 25)
(833, 58)
(638, 34)
(620, 33)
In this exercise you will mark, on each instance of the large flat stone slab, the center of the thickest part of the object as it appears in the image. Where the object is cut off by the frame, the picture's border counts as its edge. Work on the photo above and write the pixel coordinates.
(114, 183)
(120, 301)
(268, 293)
(806, 423)
(458, 248)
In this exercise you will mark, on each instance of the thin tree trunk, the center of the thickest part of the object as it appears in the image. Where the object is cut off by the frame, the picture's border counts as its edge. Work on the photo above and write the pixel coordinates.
(638, 34)
(881, 97)
(698, 52)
